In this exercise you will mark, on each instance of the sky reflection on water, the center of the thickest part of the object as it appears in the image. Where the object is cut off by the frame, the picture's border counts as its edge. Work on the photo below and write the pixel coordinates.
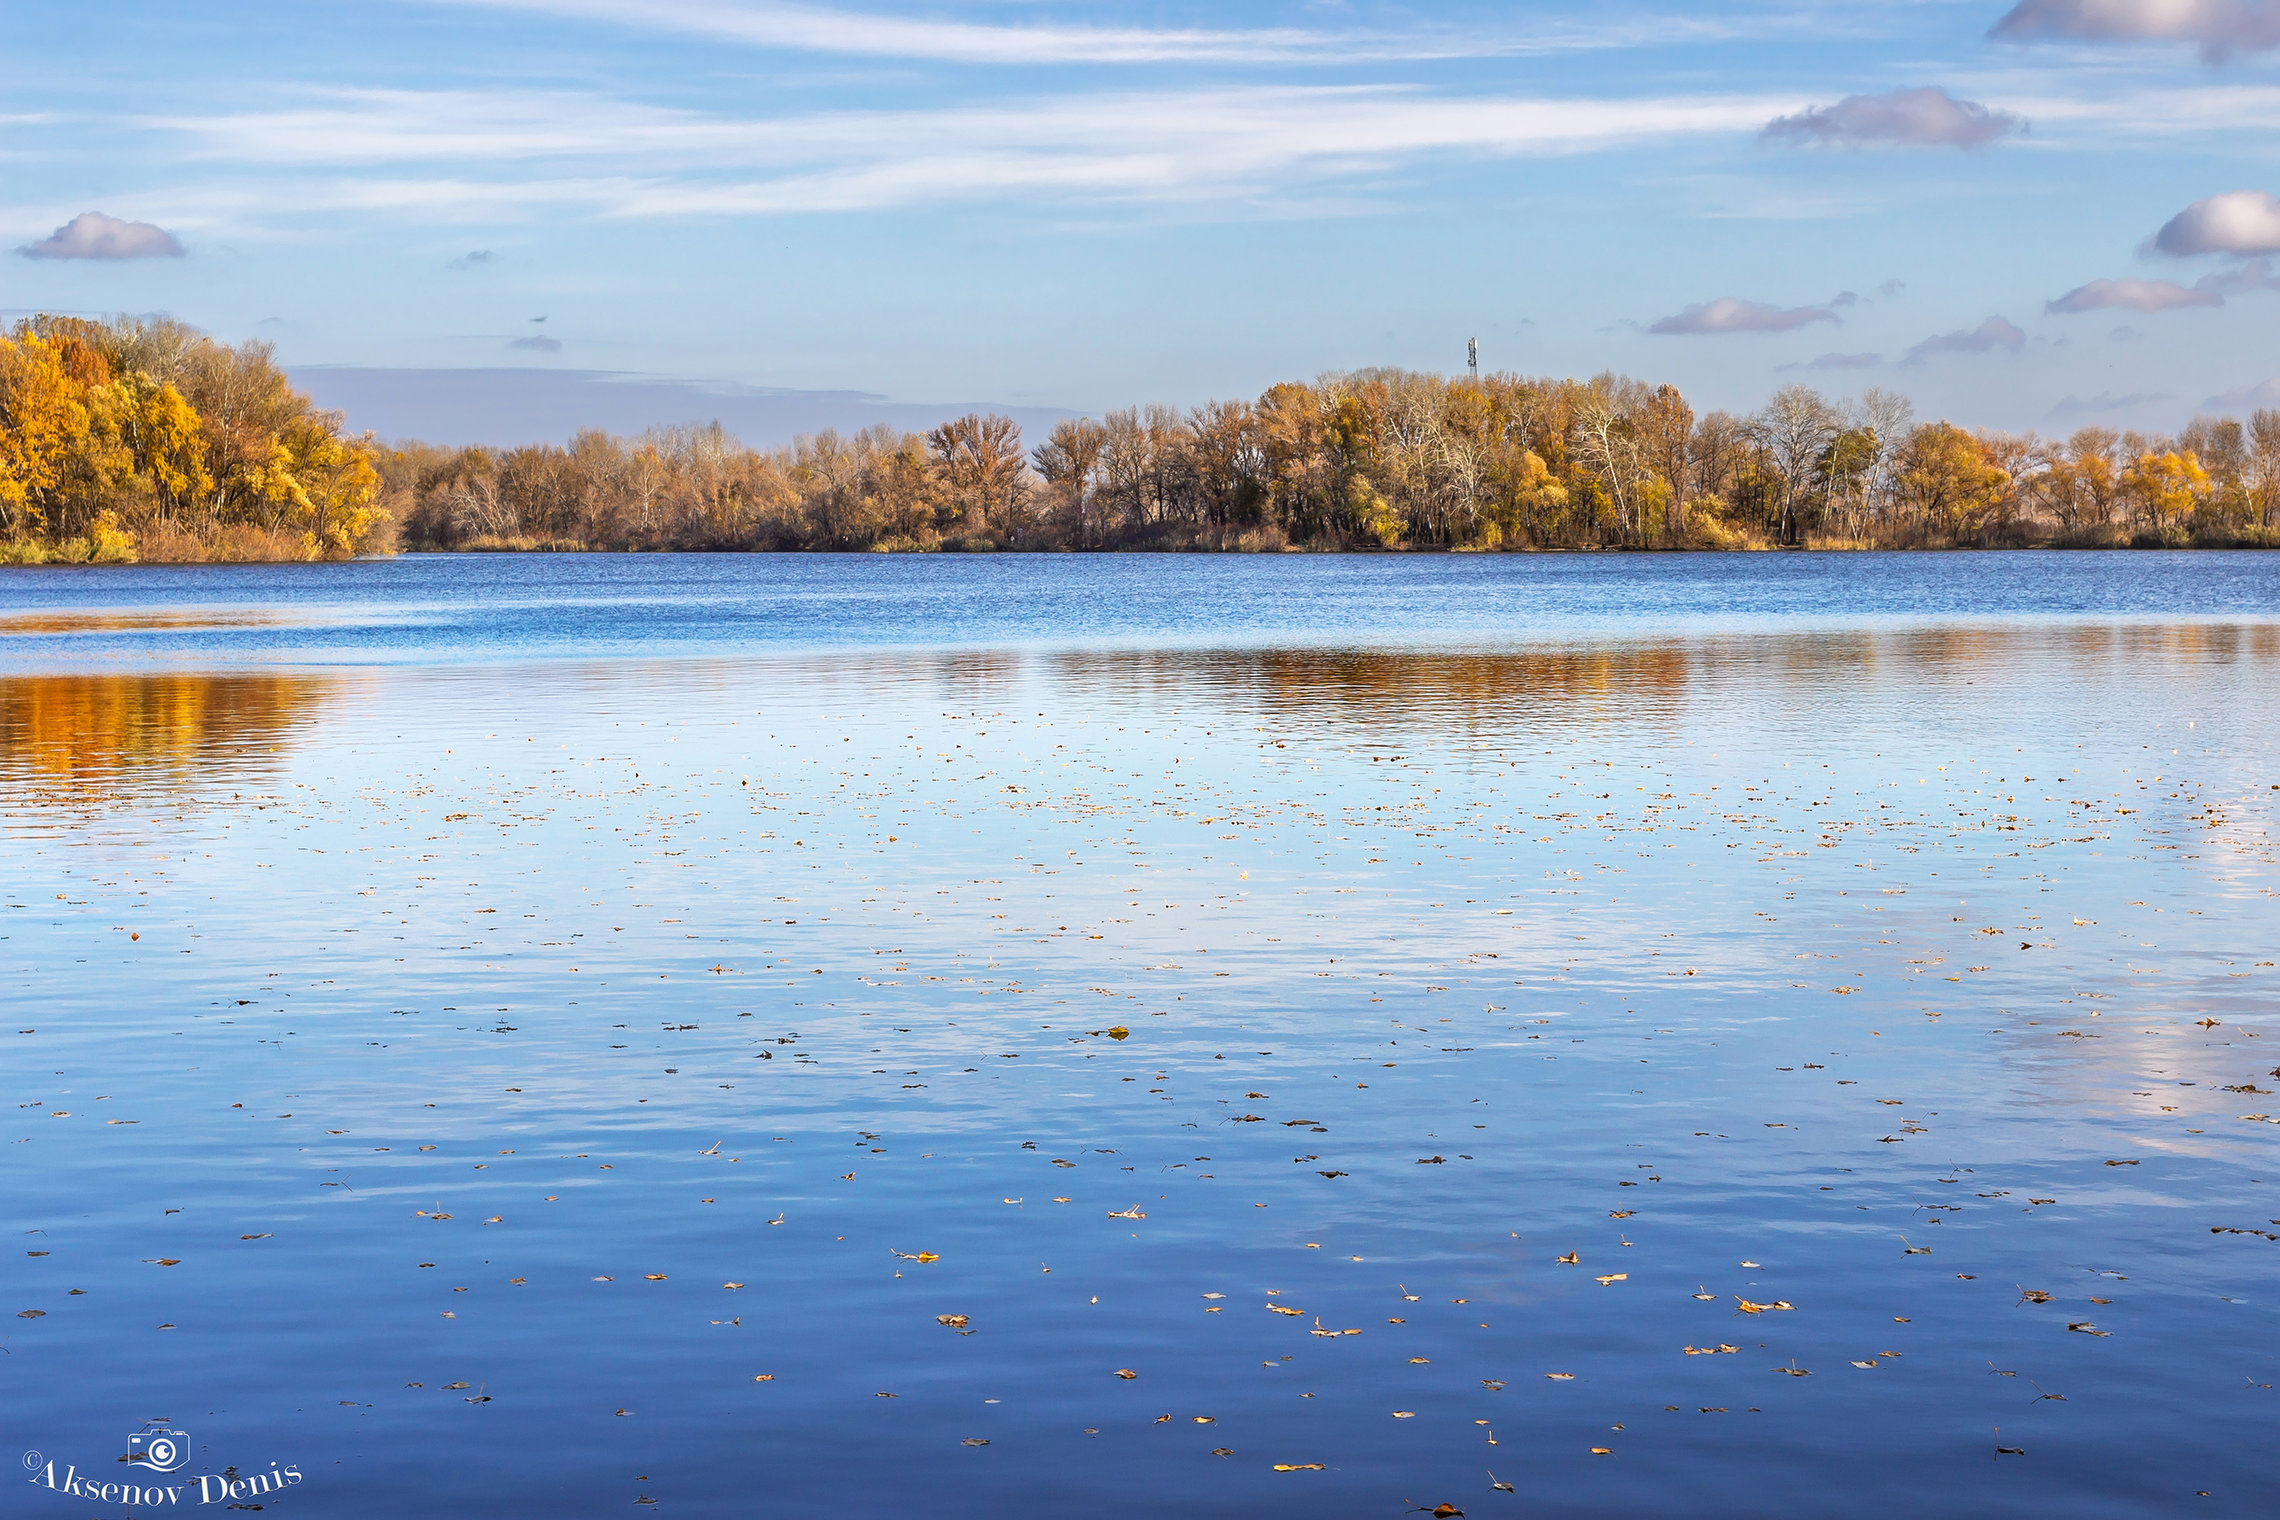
(1827, 966)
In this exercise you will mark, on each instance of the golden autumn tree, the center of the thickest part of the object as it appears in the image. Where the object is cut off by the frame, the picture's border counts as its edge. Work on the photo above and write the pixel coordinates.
(1946, 476)
(43, 421)
(2164, 488)
(117, 432)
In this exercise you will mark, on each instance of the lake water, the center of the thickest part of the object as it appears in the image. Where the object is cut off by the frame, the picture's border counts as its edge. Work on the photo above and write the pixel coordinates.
(1726, 1035)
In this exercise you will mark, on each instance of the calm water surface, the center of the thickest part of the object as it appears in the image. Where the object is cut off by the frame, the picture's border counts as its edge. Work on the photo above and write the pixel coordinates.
(1124, 1036)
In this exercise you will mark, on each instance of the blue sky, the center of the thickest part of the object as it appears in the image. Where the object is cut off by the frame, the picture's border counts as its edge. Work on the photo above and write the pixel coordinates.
(1086, 204)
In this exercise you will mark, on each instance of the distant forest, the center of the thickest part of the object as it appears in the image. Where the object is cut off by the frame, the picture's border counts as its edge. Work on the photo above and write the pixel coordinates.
(144, 439)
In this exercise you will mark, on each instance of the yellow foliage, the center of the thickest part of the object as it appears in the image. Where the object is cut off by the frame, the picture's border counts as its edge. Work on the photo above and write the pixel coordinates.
(96, 449)
(42, 421)
(2165, 487)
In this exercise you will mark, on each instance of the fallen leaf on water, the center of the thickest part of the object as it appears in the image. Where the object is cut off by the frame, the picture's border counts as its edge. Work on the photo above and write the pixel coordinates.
(764, 1377)
(1298, 1467)
(1126, 1373)
(1603, 1451)
(954, 1321)
(974, 1441)
(1405, 1414)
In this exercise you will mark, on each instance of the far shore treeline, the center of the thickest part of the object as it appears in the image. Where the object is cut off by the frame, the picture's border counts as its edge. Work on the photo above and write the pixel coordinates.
(136, 439)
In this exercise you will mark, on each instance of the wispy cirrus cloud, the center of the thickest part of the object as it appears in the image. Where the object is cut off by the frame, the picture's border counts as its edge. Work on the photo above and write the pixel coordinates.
(2220, 27)
(630, 159)
(1731, 314)
(774, 24)
(1920, 118)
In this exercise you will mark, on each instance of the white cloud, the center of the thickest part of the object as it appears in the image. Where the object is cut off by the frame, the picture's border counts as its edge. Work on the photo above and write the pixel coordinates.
(92, 235)
(1990, 335)
(2221, 27)
(1730, 314)
(1838, 362)
(2165, 295)
(2241, 221)
(2104, 402)
(2134, 295)
(2247, 398)
(1920, 118)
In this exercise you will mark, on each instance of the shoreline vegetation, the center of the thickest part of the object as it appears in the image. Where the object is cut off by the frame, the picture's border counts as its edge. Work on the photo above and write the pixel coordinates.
(144, 440)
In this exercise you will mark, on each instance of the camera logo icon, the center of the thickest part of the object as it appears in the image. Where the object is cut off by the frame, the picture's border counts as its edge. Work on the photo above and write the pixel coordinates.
(159, 1447)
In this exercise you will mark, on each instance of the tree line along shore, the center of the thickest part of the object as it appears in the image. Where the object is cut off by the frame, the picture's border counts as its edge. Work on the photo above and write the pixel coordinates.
(146, 440)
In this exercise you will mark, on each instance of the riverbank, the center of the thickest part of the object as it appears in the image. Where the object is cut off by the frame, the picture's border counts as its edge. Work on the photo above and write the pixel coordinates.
(254, 547)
